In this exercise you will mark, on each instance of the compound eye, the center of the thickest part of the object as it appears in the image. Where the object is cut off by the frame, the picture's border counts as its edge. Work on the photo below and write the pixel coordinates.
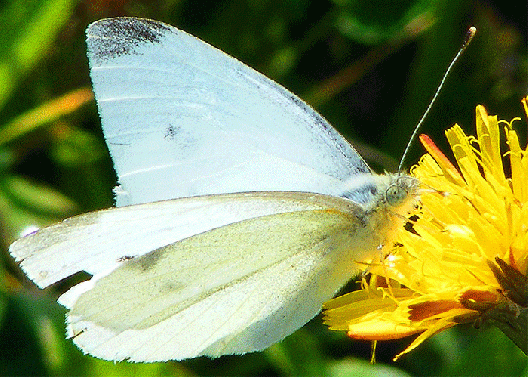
(395, 194)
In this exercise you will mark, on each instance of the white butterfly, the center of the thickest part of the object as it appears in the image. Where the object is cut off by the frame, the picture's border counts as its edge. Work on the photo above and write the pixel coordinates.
(245, 209)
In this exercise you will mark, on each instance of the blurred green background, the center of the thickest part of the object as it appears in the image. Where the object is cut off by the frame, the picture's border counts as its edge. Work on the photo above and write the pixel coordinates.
(370, 67)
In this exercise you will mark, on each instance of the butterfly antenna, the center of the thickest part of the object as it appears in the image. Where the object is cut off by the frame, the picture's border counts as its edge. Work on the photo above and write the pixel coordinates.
(469, 36)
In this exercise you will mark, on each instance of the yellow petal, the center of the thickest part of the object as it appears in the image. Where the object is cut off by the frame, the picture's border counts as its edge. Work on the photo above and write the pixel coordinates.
(381, 330)
(489, 142)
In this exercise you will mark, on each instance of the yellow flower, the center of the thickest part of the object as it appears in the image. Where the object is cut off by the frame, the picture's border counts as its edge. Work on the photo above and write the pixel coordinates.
(464, 255)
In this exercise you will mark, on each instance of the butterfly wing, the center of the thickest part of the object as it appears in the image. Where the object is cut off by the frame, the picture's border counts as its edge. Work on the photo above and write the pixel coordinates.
(182, 118)
(99, 241)
(252, 270)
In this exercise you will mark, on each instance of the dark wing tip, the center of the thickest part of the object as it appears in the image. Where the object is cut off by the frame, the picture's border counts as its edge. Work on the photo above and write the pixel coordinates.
(112, 37)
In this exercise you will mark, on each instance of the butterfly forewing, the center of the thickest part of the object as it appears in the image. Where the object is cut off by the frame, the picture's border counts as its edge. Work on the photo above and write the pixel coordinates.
(182, 118)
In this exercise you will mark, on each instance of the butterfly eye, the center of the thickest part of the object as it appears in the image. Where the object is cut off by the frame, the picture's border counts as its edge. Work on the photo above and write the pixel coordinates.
(399, 190)
(395, 194)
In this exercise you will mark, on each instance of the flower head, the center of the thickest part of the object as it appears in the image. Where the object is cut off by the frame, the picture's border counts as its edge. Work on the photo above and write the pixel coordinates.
(464, 254)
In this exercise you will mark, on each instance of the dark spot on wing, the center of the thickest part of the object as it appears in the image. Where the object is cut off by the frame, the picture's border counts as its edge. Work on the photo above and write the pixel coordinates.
(77, 334)
(109, 38)
(125, 258)
(147, 261)
(171, 287)
(171, 132)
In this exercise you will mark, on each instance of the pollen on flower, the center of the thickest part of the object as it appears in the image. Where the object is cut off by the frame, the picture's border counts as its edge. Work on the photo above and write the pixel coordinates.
(465, 257)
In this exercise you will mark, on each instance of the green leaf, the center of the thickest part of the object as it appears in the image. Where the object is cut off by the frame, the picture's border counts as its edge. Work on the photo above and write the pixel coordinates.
(27, 29)
(372, 22)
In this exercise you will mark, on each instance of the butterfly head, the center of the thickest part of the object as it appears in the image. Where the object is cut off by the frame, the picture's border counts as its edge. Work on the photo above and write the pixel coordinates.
(372, 191)
(400, 188)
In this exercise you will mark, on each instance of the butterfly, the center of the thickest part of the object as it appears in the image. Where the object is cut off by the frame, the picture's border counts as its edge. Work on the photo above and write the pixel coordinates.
(239, 209)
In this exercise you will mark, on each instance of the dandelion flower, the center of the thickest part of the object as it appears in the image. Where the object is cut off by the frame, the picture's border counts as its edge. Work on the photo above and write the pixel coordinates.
(463, 257)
